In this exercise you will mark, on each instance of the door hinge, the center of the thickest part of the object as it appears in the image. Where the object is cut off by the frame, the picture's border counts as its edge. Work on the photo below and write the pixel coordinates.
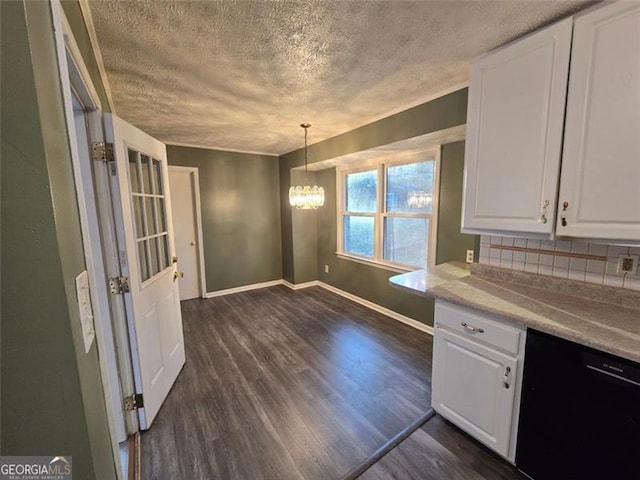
(118, 285)
(102, 152)
(133, 402)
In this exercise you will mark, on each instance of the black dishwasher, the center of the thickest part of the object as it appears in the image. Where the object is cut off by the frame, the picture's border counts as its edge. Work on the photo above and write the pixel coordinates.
(579, 413)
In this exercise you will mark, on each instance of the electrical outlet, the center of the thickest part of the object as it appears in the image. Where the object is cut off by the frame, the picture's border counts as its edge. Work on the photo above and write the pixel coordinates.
(627, 265)
(469, 256)
(326, 269)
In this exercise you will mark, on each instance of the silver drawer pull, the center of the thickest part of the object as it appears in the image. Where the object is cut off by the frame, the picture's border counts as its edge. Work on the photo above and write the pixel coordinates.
(472, 329)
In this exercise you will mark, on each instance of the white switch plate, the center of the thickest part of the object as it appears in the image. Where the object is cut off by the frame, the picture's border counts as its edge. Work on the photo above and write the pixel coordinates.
(326, 269)
(85, 310)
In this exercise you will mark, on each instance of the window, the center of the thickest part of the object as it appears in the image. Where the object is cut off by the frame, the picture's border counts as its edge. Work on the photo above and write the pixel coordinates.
(386, 211)
(149, 214)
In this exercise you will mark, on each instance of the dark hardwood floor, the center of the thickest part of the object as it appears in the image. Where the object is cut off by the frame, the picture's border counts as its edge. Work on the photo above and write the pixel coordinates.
(305, 384)
(439, 451)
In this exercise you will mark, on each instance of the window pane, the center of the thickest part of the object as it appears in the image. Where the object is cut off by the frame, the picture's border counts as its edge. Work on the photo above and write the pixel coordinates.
(164, 252)
(146, 173)
(151, 215)
(142, 258)
(358, 235)
(410, 187)
(153, 245)
(405, 240)
(133, 171)
(161, 214)
(155, 177)
(361, 191)
(138, 215)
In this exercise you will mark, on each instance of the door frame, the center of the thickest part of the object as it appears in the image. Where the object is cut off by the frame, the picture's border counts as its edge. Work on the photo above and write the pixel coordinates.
(195, 184)
(98, 236)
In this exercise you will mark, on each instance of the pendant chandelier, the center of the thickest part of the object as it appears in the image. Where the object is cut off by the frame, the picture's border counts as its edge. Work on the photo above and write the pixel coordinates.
(307, 197)
(419, 199)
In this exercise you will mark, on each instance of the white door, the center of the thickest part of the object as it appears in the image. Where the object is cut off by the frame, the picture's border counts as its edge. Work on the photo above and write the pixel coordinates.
(143, 213)
(185, 209)
(600, 180)
(514, 134)
(469, 388)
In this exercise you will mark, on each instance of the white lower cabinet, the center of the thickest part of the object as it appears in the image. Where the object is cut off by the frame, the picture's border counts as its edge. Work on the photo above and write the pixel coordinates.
(477, 365)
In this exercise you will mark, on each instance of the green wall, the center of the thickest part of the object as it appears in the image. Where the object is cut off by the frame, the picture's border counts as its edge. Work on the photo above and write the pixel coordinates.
(439, 114)
(300, 265)
(304, 233)
(287, 179)
(372, 283)
(240, 215)
(52, 397)
(452, 245)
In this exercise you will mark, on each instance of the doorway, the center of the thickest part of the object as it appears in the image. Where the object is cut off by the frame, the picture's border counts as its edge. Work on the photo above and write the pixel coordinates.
(85, 127)
(95, 177)
(187, 228)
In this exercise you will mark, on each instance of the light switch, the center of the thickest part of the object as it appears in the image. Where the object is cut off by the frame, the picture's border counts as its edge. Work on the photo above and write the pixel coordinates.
(85, 309)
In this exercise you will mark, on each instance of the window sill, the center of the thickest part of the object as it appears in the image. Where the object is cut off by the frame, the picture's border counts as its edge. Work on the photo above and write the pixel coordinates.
(375, 263)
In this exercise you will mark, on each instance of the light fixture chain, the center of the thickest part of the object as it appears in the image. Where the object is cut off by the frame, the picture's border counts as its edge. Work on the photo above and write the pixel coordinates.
(305, 150)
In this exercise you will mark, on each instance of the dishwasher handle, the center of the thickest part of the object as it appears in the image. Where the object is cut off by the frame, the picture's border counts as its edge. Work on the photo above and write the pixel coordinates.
(607, 366)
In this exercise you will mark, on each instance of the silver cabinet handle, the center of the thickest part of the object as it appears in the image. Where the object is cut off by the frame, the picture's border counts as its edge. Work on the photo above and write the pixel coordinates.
(563, 215)
(507, 371)
(543, 212)
(471, 329)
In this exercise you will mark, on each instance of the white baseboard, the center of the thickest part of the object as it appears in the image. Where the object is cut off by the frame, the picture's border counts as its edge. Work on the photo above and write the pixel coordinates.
(316, 283)
(298, 286)
(244, 288)
(378, 308)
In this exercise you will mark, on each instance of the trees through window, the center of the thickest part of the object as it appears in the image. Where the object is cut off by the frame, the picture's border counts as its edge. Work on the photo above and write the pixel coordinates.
(386, 211)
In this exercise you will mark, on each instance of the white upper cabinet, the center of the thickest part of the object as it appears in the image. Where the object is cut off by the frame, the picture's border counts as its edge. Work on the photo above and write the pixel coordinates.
(600, 180)
(514, 134)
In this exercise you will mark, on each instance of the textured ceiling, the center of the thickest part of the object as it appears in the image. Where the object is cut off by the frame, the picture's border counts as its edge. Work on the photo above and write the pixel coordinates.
(242, 75)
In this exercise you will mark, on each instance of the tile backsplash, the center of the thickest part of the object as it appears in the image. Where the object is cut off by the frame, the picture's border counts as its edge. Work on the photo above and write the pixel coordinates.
(587, 262)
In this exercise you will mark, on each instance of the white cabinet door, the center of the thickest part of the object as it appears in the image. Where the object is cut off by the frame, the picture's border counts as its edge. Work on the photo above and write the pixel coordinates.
(600, 181)
(514, 133)
(469, 388)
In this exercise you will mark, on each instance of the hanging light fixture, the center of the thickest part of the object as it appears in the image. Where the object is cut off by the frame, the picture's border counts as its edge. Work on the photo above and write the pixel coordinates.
(307, 197)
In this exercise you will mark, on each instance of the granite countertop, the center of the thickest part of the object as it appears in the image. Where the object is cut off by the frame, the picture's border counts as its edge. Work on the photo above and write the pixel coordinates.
(602, 317)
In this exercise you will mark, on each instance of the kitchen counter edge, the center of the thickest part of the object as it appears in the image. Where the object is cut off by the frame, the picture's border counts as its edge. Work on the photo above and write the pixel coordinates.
(601, 317)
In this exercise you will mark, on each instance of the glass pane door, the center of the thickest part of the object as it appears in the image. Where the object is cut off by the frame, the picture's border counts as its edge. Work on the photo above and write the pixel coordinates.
(149, 214)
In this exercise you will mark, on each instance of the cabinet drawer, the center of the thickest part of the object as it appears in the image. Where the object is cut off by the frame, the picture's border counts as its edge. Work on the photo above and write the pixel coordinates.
(477, 327)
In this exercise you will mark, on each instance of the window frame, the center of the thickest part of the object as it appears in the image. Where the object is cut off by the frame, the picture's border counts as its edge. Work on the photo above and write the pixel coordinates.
(380, 164)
